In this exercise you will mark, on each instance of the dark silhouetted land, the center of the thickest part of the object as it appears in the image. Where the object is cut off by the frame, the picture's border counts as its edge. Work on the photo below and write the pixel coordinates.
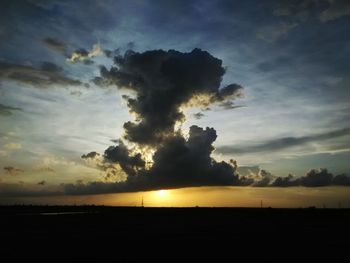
(99, 231)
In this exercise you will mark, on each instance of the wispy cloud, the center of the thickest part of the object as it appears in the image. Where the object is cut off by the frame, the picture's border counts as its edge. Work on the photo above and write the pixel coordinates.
(82, 55)
(8, 110)
(43, 182)
(324, 10)
(11, 170)
(26, 190)
(55, 44)
(41, 77)
(281, 143)
(272, 33)
(336, 9)
(198, 115)
(13, 146)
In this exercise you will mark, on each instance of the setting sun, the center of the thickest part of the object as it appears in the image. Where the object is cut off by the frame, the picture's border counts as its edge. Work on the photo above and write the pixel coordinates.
(162, 193)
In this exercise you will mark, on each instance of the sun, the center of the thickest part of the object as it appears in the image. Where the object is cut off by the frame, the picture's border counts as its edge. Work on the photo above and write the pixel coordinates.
(162, 193)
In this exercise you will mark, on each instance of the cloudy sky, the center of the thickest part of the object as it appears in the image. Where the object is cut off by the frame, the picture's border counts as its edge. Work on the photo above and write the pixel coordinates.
(248, 99)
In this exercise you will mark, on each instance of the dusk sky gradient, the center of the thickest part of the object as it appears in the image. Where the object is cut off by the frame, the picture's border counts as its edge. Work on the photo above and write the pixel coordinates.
(270, 77)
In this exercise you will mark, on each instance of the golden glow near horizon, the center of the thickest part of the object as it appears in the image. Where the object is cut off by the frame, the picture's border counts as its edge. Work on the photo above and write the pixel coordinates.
(209, 197)
(161, 194)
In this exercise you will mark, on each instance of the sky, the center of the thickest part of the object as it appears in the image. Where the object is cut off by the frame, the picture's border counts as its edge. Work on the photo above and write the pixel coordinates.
(226, 103)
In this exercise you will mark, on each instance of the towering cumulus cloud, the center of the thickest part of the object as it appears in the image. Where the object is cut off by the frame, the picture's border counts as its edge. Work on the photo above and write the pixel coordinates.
(165, 81)
(161, 84)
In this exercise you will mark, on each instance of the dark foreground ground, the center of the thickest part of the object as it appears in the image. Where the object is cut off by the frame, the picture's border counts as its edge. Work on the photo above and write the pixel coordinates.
(208, 233)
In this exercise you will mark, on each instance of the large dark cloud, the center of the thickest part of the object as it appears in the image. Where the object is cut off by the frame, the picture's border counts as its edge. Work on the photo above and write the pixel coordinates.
(161, 84)
(282, 143)
(181, 173)
(41, 77)
(180, 162)
(163, 81)
(176, 163)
